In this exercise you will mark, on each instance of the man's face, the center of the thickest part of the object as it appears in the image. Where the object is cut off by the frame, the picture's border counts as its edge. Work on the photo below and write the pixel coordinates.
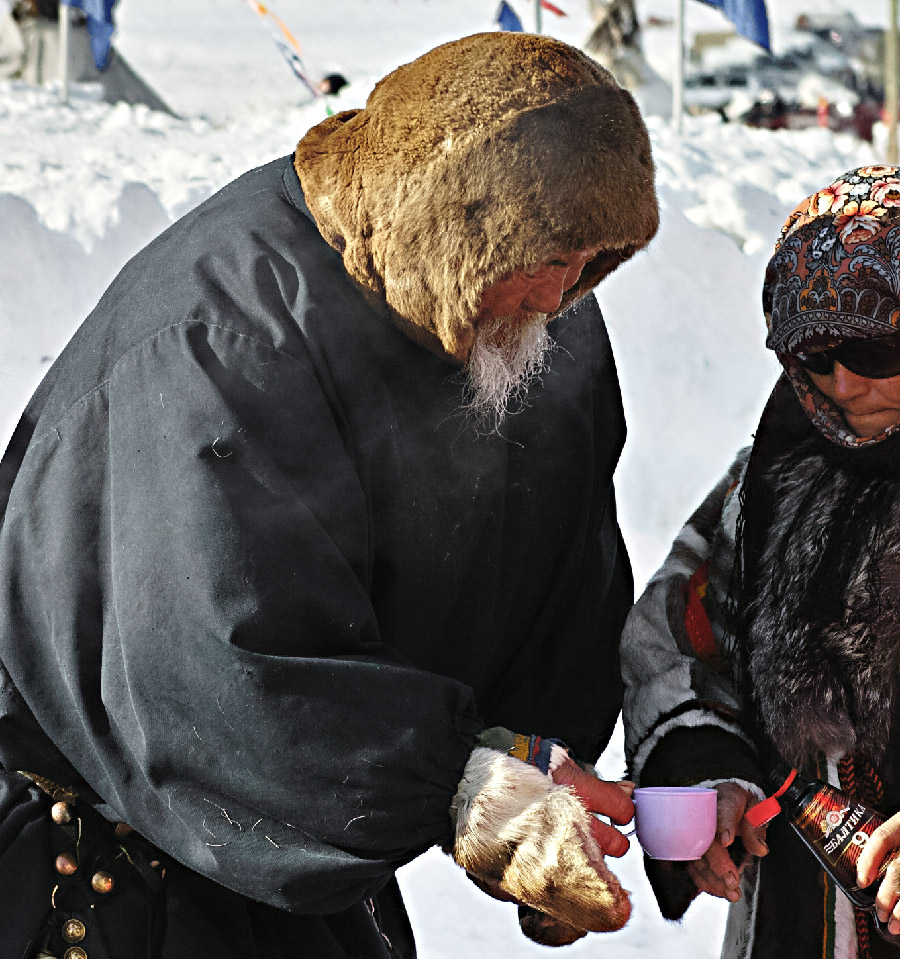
(538, 290)
(511, 340)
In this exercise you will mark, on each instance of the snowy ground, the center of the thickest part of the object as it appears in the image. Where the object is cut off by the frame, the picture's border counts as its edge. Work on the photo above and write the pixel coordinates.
(83, 187)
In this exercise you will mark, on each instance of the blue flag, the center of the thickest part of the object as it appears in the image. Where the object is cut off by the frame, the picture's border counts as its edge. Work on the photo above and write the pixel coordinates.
(508, 18)
(100, 27)
(748, 16)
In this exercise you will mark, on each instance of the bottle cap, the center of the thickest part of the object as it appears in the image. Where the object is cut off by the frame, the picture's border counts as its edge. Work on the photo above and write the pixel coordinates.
(769, 808)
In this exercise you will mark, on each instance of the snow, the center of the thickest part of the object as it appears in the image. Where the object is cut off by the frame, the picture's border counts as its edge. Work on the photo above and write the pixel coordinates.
(83, 187)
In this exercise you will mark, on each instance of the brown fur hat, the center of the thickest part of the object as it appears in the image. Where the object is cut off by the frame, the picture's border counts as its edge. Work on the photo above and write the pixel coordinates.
(488, 154)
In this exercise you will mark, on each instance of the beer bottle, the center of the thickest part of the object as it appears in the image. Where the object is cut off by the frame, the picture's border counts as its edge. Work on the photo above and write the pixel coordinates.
(833, 825)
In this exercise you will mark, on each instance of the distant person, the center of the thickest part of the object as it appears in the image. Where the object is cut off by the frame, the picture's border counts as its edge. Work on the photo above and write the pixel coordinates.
(771, 631)
(332, 83)
(91, 58)
(866, 113)
(46, 9)
(309, 558)
(615, 40)
(770, 113)
(12, 46)
(38, 22)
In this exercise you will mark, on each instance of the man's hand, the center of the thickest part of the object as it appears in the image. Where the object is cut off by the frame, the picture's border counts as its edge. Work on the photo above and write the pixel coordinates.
(529, 839)
(609, 799)
(883, 842)
(716, 873)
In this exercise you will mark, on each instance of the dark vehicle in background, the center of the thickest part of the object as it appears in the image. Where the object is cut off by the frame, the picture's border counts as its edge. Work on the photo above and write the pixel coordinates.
(829, 73)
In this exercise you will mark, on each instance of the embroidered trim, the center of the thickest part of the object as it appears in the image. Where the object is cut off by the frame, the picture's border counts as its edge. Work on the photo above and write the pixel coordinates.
(752, 788)
(541, 752)
(688, 719)
(697, 623)
(546, 754)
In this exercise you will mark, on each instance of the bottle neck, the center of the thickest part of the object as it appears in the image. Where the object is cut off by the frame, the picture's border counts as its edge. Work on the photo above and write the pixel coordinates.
(786, 784)
(778, 783)
(794, 793)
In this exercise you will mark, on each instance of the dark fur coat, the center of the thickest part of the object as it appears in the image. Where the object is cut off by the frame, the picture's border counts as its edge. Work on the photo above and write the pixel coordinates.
(824, 674)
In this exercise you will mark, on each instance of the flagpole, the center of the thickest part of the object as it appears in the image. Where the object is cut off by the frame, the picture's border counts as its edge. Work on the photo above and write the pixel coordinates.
(64, 52)
(537, 17)
(891, 97)
(288, 46)
(678, 79)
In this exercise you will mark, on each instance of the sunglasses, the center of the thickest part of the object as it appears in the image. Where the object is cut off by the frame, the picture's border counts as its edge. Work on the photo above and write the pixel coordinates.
(875, 359)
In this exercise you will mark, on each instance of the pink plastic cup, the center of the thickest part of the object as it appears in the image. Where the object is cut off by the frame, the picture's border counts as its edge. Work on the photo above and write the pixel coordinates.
(675, 822)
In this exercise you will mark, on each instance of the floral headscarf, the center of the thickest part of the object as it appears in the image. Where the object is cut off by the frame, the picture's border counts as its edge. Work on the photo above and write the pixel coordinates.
(835, 275)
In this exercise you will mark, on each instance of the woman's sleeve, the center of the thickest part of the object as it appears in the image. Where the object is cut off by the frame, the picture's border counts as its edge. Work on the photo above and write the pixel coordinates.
(683, 709)
(199, 539)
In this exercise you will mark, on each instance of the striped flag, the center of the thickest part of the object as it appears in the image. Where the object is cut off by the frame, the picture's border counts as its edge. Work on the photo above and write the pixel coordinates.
(553, 8)
(508, 19)
(749, 18)
(100, 27)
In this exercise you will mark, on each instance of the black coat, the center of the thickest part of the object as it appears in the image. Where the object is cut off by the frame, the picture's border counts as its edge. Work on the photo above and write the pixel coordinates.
(262, 583)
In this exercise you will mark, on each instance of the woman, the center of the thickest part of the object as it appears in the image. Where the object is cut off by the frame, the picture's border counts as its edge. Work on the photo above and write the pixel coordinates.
(772, 631)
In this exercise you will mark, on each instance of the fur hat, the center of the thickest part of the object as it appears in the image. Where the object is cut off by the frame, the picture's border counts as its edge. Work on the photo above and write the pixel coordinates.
(488, 154)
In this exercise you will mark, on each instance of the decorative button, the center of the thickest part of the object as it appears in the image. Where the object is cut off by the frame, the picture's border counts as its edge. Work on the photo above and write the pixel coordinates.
(76, 952)
(66, 864)
(73, 930)
(123, 829)
(61, 812)
(102, 882)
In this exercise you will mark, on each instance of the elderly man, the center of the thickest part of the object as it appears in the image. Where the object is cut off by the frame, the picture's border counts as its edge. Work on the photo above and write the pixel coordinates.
(309, 558)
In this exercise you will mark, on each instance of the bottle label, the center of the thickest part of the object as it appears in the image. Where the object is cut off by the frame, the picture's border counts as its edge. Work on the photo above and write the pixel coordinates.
(839, 830)
(839, 827)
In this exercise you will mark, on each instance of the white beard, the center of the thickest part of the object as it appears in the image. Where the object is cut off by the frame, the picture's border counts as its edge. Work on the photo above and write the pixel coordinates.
(508, 354)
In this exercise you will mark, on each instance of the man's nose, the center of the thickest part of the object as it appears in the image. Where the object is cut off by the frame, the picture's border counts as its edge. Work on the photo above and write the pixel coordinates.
(546, 294)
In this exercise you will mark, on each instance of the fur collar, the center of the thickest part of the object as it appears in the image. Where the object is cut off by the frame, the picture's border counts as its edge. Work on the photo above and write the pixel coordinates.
(485, 155)
(821, 685)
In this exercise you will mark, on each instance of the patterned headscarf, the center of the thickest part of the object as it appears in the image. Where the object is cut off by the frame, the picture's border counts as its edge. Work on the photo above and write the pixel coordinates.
(835, 275)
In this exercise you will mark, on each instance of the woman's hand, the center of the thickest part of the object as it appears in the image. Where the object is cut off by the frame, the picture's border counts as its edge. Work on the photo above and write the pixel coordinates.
(882, 843)
(716, 873)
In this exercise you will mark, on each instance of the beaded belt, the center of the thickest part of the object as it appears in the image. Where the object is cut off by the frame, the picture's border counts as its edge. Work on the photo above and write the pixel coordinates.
(94, 860)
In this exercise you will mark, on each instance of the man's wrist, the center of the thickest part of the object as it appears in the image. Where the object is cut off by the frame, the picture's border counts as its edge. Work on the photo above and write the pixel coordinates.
(542, 752)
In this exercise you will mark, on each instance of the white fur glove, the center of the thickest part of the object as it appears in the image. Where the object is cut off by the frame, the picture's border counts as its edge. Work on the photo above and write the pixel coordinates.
(516, 830)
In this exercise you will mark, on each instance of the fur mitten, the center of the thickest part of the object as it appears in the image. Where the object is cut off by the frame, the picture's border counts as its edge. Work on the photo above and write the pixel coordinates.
(537, 926)
(516, 830)
(545, 930)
